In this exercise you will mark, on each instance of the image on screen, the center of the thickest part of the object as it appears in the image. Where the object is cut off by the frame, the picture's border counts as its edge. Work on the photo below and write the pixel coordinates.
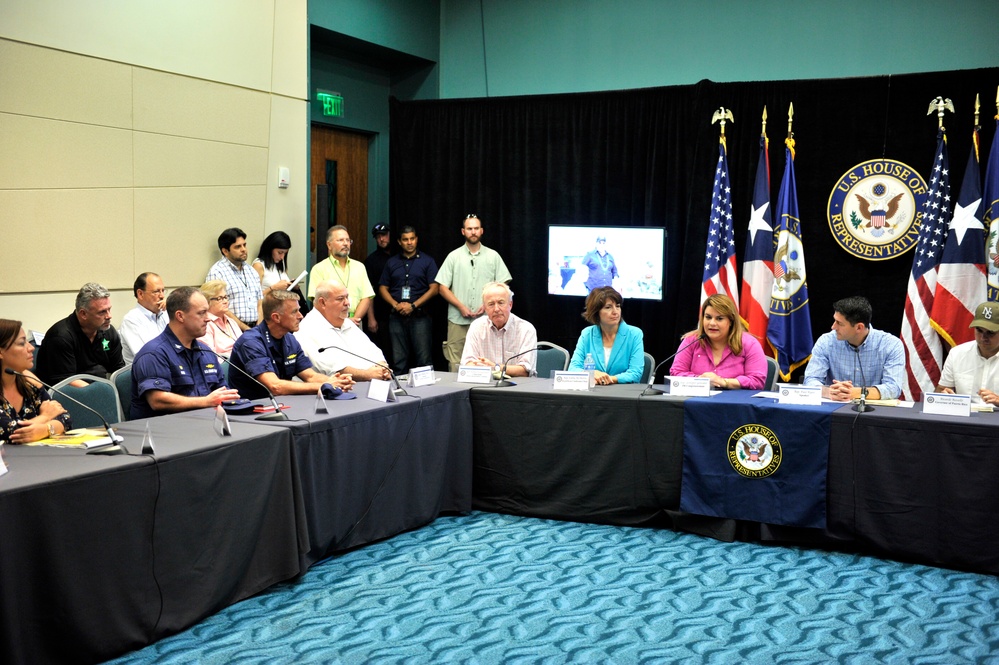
(581, 258)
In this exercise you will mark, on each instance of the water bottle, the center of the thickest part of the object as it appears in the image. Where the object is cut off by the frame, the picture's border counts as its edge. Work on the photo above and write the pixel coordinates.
(588, 363)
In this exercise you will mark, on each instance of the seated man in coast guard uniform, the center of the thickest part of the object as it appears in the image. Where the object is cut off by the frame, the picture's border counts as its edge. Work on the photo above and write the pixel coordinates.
(174, 371)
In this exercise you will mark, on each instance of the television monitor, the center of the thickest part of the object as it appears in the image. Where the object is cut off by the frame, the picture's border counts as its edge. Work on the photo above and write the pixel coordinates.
(631, 259)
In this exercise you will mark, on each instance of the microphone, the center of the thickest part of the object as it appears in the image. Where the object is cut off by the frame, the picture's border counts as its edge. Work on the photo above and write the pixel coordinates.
(398, 390)
(278, 413)
(503, 383)
(861, 406)
(115, 438)
(649, 390)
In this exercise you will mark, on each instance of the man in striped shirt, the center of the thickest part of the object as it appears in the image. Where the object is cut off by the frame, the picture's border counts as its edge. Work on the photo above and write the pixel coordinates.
(243, 281)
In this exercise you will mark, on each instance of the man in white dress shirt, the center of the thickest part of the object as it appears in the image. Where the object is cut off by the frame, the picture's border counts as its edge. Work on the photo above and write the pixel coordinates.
(971, 367)
(147, 319)
(328, 325)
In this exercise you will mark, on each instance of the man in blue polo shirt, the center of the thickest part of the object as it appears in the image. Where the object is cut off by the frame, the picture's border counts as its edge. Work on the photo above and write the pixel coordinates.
(407, 284)
(270, 352)
(174, 371)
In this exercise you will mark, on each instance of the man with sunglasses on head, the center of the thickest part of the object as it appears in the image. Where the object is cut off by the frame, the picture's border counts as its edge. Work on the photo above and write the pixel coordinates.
(970, 368)
(462, 277)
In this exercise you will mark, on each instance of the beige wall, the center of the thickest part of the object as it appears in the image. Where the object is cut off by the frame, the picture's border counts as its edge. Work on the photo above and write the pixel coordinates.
(132, 132)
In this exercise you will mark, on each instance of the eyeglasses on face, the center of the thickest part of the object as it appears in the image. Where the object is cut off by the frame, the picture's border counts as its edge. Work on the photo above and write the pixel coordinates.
(225, 297)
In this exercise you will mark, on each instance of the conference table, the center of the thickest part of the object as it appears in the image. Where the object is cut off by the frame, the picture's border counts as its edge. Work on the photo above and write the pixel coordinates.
(900, 483)
(101, 555)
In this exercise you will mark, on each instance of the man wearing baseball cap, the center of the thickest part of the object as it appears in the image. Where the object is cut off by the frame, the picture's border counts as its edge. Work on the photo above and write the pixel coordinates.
(377, 320)
(970, 368)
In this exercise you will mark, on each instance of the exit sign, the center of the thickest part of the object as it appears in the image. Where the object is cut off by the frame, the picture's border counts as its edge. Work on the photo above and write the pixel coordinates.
(332, 103)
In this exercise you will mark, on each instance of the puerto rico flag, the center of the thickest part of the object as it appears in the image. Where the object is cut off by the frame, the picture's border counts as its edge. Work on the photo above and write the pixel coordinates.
(758, 260)
(961, 274)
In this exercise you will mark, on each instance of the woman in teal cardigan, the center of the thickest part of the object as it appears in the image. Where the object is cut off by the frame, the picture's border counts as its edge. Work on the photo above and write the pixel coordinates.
(618, 349)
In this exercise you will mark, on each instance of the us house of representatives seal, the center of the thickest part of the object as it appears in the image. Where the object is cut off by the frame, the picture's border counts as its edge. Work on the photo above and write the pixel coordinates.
(754, 451)
(875, 209)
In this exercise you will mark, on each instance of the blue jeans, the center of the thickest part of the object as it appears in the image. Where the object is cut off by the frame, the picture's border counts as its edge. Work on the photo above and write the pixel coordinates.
(410, 341)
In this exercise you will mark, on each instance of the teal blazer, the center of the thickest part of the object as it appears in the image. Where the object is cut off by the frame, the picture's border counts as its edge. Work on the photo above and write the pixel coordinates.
(627, 357)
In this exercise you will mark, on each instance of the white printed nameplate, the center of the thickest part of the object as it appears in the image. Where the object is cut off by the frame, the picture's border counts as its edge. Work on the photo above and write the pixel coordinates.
(943, 404)
(572, 380)
(222, 426)
(689, 386)
(474, 374)
(421, 376)
(794, 394)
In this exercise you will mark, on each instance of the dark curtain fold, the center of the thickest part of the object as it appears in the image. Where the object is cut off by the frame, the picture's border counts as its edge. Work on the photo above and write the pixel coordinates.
(647, 158)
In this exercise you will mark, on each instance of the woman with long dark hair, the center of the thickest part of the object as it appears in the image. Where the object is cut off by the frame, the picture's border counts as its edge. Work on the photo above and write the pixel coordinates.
(27, 413)
(272, 266)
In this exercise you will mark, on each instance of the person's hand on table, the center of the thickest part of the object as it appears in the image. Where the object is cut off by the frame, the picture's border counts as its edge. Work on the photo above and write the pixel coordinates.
(603, 378)
(841, 391)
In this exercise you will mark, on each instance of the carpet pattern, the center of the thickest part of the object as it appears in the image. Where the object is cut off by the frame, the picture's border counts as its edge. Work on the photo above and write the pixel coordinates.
(488, 588)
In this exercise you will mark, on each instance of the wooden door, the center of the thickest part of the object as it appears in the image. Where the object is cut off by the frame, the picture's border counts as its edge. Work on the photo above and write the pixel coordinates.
(349, 152)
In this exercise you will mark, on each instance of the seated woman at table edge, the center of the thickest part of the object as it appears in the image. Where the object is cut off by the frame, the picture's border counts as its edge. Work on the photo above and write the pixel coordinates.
(721, 350)
(27, 413)
(618, 349)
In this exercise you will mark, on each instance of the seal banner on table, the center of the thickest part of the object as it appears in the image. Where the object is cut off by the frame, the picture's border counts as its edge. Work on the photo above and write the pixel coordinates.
(762, 462)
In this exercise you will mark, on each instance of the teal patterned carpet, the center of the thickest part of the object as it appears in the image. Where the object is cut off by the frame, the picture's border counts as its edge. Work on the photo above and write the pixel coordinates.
(487, 588)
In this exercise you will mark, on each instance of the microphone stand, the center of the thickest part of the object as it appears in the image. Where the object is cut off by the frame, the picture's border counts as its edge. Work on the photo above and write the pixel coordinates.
(115, 438)
(278, 413)
(503, 383)
(649, 390)
(862, 406)
(399, 391)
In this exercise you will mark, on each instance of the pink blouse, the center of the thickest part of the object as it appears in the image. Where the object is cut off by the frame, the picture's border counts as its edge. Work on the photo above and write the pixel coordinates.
(220, 334)
(749, 368)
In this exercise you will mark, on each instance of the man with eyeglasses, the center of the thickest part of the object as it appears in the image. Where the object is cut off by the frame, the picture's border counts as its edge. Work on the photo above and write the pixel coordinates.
(174, 371)
(462, 276)
(339, 267)
(970, 368)
(853, 356)
(334, 343)
(147, 319)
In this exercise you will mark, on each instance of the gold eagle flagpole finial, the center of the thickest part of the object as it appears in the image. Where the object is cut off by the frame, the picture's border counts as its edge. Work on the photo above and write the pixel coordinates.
(939, 105)
(763, 131)
(722, 114)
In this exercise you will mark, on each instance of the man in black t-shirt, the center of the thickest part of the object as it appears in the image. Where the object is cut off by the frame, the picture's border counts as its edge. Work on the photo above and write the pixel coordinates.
(84, 342)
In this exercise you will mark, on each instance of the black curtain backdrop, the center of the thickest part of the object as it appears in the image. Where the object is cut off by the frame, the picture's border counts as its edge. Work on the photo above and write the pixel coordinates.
(647, 158)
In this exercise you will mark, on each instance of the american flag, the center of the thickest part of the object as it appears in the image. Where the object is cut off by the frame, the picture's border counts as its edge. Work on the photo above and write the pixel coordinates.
(923, 348)
(758, 260)
(719, 256)
(961, 275)
(990, 215)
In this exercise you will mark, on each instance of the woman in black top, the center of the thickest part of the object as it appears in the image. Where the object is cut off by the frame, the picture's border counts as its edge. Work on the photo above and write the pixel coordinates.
(27, 413)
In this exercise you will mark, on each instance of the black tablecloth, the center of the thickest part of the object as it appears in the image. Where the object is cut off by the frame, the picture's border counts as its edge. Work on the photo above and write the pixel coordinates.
(217, 519)
(82, 534)
(606, 456)
(916, 486)
(370, 470)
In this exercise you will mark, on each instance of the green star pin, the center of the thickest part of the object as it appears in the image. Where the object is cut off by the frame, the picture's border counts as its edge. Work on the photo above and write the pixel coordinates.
(105, 344)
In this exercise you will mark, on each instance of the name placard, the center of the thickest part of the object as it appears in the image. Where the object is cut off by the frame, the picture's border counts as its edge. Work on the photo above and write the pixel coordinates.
(421, 376)
(689, 386)
(381, 391)
(474, 374)
(572, 380)
(794, 394)
(943, 404)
